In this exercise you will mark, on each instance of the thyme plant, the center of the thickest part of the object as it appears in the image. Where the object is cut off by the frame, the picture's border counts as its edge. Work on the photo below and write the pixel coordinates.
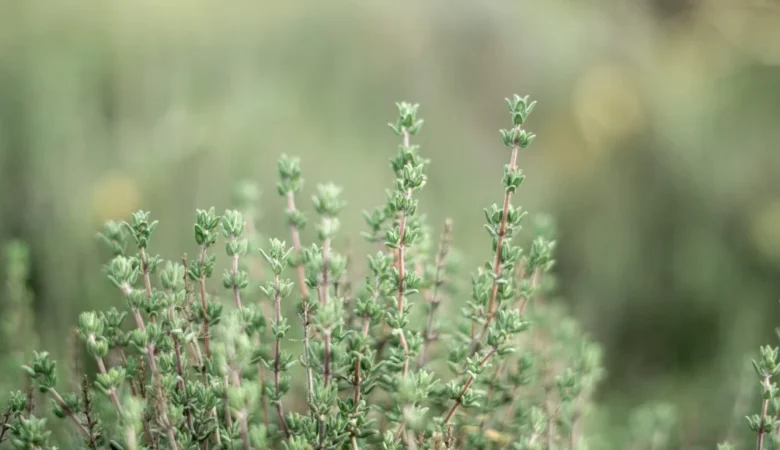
(188, 365)
(765, 424)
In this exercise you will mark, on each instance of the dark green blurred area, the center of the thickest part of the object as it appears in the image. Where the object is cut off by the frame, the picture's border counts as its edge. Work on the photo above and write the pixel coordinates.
(657, 151)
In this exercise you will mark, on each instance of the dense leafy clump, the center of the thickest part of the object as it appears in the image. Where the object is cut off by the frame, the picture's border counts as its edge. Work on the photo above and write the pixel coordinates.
(190, 362)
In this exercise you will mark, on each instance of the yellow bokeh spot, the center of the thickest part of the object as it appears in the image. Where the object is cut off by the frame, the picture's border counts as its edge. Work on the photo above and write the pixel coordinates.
(606, 105)
(563, 150)
(115, 196)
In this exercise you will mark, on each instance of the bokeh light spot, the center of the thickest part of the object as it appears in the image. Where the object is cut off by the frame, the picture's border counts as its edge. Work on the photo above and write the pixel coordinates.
(606, 105)
(114, 197)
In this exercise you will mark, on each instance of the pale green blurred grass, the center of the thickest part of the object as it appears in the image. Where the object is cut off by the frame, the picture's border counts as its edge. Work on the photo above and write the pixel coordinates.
(657, 148)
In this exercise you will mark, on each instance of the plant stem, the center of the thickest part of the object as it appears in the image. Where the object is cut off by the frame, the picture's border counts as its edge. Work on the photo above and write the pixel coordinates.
(145, 268)
(346, 286)
(324, 298)
(764, 408)
(91, 422)
(203, 303)
(133, 390)
(500, 244)
(327, 358)
(236, 292)
(401, 269)
(244, 429)
(325, 261)
(296, 239)
(4, 426)
(68, 412)
(193, 345)
(263, 402)
(30, 406)
(242, 415)
(136, 393)
(534, 283)
(217, 437)
(156, 376)
(306, 352)
(400, 261)
(149, 349)
(524, 301)
(277, 357)
(466, 387)
(435, 301)
(400, 257)
(130, 438)
(180, 371)
(358, 380)
(111, 392)
(497, 266)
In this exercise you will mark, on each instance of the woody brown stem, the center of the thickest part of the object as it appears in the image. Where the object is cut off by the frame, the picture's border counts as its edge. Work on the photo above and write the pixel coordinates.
(466, 387)
(61, 402)
(304, 290)
(497, 266)
(402, 268)
(156, 376)
(112, 391)
(401, 264)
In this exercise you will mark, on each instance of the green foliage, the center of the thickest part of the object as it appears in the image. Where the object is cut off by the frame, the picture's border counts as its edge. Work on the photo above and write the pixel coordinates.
(765, 425)
(17, 331)
(651, 426)
(193, 372)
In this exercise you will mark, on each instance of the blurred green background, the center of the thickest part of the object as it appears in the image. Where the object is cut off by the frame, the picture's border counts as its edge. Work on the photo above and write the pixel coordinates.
(657, 151)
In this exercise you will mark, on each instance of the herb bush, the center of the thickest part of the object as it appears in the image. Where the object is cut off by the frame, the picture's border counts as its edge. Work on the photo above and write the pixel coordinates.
(189, 365)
